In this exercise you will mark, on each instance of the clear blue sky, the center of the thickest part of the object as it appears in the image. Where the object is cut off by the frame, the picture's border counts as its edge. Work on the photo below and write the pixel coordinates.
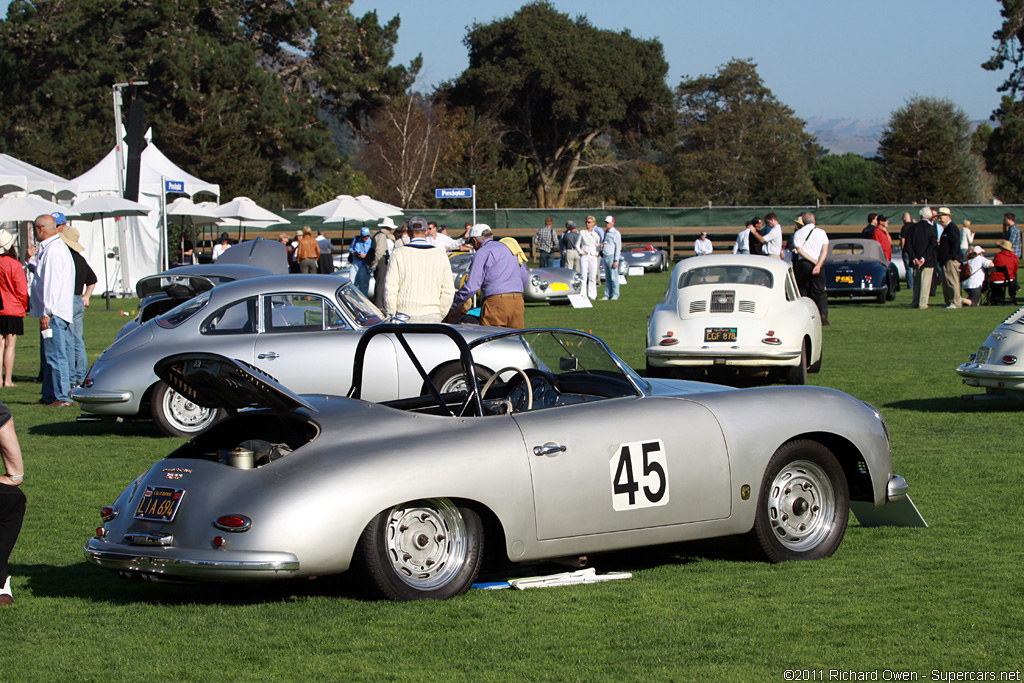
(859, 59)
(827, 59)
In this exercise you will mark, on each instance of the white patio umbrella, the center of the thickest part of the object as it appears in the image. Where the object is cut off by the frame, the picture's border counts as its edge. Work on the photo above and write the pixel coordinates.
(248, 213)
(101, 207)
(27, 208)
(11, 181)
(377, 205)
(345, 207)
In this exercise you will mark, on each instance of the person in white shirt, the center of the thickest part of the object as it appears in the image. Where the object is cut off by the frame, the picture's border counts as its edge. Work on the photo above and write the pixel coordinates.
(52, 301)
(771, 241)
(810, 244)
(703, 246)
(742, 245)
(590, 248)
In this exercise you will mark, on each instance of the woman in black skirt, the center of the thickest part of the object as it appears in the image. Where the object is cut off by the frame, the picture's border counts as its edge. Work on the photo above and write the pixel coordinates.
(13, 304)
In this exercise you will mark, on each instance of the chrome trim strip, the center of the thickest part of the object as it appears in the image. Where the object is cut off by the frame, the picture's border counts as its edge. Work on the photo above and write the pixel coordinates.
(768, 354)
(182, 566)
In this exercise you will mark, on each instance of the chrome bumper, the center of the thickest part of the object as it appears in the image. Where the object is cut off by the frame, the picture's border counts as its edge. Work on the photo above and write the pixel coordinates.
(89, 396)
(191, 564)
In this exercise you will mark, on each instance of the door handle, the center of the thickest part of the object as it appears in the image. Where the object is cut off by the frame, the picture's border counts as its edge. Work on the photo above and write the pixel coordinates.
(549, 448)
(267, 356)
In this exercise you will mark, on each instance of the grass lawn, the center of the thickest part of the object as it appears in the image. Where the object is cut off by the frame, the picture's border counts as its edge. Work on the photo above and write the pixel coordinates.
(947, 598)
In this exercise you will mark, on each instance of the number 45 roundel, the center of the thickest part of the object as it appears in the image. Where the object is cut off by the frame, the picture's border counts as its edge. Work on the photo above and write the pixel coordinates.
(639, 472)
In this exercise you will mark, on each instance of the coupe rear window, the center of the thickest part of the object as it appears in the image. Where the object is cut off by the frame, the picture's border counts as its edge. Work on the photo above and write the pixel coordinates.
(726, 275)
(180, 314)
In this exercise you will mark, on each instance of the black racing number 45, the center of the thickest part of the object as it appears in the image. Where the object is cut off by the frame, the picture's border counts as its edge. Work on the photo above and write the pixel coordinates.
(639, 475)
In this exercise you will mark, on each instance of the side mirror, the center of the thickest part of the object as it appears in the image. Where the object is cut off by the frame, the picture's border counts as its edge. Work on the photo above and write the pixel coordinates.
(568, 364)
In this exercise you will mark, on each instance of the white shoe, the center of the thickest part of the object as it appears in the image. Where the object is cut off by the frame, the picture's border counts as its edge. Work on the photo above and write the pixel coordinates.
(604, 298)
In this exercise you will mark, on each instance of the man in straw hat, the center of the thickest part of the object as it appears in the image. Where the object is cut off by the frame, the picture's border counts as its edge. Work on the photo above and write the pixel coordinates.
(85, 282)
(950, 257)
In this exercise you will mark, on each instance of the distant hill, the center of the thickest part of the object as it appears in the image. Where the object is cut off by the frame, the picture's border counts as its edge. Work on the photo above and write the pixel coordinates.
(840, 136)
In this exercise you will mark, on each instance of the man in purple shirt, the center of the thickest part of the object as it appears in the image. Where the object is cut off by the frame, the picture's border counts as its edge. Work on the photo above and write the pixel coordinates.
(499, 277)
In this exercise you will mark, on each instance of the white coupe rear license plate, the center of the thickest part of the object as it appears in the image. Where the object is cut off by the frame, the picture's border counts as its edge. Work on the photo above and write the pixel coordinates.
(983, 354)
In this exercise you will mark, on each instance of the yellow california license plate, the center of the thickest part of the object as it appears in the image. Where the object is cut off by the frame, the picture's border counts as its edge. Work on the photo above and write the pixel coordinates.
(559, 287)
(844, 279)
(159, 504)
(719, 334)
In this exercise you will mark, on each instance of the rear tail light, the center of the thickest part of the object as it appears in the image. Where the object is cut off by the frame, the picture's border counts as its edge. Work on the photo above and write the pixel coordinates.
(774, 341)
(233, 523)
(1009, 360)
(108, 512)
(101, 532)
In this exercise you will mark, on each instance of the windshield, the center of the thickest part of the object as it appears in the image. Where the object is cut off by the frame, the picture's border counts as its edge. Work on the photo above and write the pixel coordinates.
(726, 275)
(183, 312)
(564, 352)
(358, 306)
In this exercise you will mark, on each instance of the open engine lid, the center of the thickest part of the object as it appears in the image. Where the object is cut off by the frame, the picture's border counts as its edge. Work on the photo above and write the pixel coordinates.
(214, 381)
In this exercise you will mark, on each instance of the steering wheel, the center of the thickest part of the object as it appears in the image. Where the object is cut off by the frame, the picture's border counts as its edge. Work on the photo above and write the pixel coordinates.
(522, 373)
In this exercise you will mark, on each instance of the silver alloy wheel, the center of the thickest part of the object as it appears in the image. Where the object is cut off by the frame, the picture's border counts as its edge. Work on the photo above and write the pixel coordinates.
(801, 506)
(454, 383)
(184, 414)
(427, 544)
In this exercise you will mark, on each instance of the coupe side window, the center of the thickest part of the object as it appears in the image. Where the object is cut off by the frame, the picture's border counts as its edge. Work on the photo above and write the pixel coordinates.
(236, 318)
(792, 293)
(300, 313)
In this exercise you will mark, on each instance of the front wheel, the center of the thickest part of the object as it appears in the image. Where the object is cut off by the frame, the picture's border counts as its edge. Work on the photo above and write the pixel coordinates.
(178, 416)
(803, 504)
(423, 550)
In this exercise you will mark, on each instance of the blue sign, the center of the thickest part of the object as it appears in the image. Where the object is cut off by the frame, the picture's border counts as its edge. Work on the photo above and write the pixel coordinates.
(454, 193)
(174, 186)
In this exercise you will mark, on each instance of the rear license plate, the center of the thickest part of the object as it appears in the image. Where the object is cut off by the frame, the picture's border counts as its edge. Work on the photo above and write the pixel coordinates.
(559, 287)
(719, 334)
(844, 279)
(159, 504)
(983, 355)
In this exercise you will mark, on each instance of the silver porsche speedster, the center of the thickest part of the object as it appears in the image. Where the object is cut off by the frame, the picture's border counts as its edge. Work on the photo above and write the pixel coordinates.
(568, 455)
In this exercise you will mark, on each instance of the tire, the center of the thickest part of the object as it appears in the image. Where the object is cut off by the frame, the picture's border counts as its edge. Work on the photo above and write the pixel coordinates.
(882, 297)
(450, 377)
(176, 415)
(803, 505)
(815, 367)
(422, 550)
(797, 374)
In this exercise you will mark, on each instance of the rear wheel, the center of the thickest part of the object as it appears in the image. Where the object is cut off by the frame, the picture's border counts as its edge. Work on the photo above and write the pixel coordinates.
(797, 374)
(423, 550)
(177, 415)
(803, 504)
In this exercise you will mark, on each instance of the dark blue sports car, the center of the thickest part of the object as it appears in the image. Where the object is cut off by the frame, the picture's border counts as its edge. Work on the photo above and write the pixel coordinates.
(857, 267)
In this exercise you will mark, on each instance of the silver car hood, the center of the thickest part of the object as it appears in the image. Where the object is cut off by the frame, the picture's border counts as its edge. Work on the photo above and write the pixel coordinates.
(213, 381)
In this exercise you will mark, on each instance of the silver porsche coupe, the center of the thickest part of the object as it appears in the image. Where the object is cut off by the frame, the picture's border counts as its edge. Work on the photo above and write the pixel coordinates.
(568, 455)
(301, 329)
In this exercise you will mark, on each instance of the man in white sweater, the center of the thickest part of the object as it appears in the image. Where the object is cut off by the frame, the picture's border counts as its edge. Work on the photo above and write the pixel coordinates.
(419, 283)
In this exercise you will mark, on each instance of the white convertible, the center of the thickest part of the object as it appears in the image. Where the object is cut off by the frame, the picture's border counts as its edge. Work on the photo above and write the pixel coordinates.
(734, 312)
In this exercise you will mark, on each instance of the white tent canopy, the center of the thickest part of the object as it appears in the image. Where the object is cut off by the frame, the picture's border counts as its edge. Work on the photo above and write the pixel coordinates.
(133, 242)
(36, 180)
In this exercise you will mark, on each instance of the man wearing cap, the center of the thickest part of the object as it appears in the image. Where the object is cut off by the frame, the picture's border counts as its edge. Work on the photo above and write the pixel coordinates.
(975, 270)
(419, 282)
(547, 242)
(85, 282)
(325, 264)
(499, 277)
(382, 239)
(921, 248)
(703, 246)
(611, 252)
(570, 246)
(51, 299)
(949, 258)
(358, 252)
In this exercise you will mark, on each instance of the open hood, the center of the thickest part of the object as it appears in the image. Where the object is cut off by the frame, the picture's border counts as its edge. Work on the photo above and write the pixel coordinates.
(189, 281)
(260, 252)
(213, 381)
